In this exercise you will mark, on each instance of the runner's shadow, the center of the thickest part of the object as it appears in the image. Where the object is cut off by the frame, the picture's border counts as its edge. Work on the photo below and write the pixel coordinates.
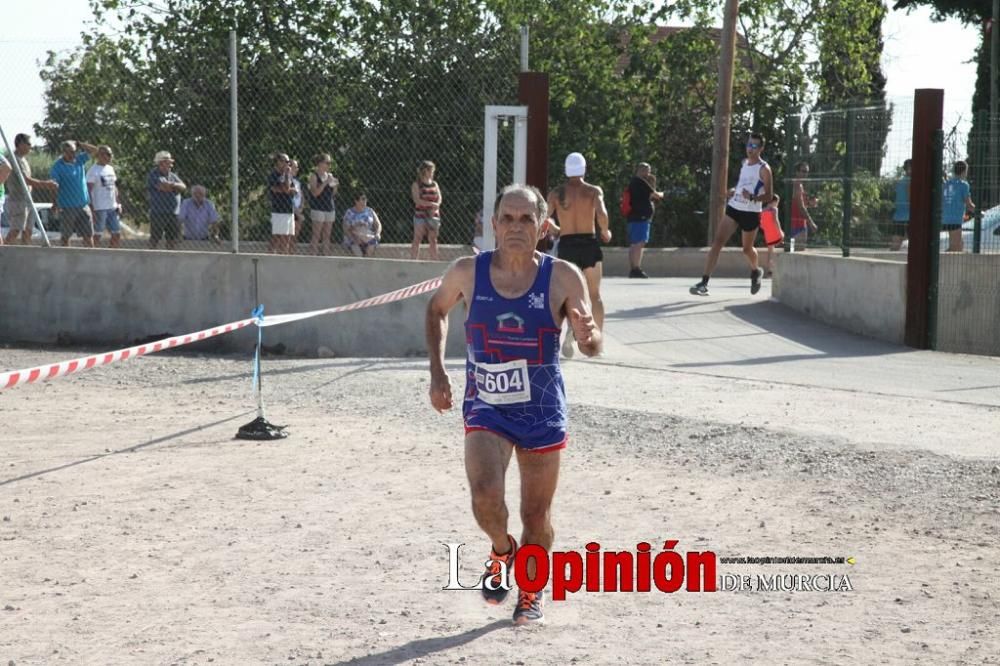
(424, 647)
(651, 311)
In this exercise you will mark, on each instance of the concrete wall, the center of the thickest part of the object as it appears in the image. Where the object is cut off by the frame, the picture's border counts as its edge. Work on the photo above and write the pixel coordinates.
(969, 304)
(110, 298)
(866, 296)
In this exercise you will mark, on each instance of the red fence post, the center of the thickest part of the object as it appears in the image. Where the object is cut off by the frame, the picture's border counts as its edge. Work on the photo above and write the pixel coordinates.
(928, 113)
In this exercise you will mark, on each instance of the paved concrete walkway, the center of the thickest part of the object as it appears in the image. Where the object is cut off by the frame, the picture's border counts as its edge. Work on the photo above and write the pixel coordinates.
(736, 357)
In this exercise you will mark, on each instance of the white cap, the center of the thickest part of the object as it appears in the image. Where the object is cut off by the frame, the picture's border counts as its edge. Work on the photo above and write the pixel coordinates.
(576, 165)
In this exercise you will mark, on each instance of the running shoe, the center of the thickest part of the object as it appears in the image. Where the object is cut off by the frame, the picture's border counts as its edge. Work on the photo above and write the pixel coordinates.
(700, 289)
(638, 273)
(494, 573)
(568, 347)
(755, 278)
(529, 608)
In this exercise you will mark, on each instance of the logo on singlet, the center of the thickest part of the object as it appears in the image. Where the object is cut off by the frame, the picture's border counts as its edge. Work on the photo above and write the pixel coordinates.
(510, 323)
(536, 301)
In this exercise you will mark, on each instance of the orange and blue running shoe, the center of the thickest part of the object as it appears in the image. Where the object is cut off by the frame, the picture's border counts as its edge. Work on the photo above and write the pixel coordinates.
(529, 608)
(495, 593)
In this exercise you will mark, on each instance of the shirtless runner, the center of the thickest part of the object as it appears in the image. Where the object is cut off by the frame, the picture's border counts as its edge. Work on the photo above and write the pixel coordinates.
(578, 204)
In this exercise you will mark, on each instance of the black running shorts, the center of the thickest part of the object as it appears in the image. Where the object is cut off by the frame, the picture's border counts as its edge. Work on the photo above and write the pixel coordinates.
(580, 249)
(747, 220)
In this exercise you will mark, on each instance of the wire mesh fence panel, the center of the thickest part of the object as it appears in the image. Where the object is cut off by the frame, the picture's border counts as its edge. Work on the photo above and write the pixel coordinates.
(848, 176)
(969, 272)
(348, 126)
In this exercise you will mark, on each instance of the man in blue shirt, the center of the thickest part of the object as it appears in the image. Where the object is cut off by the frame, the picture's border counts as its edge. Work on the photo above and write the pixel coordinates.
(73, 200)
(955, 200)
(164, 187)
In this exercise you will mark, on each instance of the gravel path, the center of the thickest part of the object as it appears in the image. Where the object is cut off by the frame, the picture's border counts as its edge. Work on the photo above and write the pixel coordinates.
(136, 530)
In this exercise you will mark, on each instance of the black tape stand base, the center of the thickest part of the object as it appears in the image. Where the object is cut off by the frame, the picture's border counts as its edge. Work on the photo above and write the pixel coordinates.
(261, 428)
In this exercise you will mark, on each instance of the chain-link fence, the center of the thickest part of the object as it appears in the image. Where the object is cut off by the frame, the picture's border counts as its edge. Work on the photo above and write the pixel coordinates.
(848, 182)
(352, 128)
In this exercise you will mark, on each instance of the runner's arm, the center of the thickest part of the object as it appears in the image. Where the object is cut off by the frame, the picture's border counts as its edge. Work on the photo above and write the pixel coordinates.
(768, 194)
(602, 217)
(576, 307)
(454, 282)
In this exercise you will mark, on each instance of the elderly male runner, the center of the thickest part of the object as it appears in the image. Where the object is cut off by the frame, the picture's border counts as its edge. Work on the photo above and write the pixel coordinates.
(578, 204)
(516, 300)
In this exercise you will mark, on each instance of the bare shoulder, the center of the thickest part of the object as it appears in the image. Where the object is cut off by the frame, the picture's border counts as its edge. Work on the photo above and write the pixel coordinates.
(463, 266)
(595, 190)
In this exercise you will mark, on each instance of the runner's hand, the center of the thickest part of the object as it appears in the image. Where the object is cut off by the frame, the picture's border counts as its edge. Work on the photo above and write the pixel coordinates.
(606, 235)
(441, 392)
(583, 326)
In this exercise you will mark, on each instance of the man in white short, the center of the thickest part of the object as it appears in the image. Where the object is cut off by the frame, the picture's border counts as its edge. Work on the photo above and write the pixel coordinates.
(104, 198)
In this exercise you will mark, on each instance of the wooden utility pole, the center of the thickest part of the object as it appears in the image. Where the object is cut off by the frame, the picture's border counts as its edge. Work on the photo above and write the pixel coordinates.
(723, 116)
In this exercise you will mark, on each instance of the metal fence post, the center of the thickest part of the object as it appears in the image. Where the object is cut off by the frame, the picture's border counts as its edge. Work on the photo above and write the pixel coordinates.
(234, 139)
(848, 204)
(980, 193)
(937, 175)
(792, 129)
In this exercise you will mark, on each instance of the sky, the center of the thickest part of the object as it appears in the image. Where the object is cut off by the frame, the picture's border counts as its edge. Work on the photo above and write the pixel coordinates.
(918, 53)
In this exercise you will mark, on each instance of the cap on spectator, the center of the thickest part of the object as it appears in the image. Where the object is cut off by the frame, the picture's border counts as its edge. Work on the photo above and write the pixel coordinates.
(576, 165)
(68, 145)
(163, 155)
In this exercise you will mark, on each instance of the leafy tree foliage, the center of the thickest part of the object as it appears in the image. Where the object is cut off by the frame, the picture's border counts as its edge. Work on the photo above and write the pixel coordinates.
(384, 85)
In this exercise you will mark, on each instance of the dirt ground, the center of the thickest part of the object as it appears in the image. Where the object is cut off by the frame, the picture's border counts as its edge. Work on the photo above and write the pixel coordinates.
(136, 530)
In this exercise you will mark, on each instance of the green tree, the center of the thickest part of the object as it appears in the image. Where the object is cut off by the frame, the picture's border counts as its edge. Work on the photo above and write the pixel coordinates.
(384, 85)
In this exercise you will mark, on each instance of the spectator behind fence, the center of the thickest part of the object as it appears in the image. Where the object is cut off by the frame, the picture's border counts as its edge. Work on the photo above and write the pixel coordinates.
(282, 192)
(198, 217)
(362, 228)
(102, 182)
(802, 222)
(73, 200)
(298, 201)
(426, 194)
(165, 188)
(901, 211)
(5, 171)
(322, 187)
(19, 199)
(955, 202)
(642, 194)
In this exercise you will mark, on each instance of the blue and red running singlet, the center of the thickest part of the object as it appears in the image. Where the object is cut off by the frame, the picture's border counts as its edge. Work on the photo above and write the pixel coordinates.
(514, 386)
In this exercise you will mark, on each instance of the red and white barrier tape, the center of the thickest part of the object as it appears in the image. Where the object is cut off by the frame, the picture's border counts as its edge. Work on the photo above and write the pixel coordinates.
(9, 380)
(398, 295)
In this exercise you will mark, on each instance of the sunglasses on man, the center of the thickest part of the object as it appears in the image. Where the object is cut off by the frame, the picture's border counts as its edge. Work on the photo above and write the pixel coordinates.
(753, 146)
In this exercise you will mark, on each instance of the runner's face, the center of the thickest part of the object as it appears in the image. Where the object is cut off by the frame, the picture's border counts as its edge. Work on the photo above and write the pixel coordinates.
(516, 225)
(754, 147)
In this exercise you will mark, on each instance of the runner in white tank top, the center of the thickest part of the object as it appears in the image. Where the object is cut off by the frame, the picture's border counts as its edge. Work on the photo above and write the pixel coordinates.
(754, 188)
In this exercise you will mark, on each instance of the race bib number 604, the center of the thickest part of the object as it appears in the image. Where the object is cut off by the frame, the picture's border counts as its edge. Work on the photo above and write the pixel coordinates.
(503, 383)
